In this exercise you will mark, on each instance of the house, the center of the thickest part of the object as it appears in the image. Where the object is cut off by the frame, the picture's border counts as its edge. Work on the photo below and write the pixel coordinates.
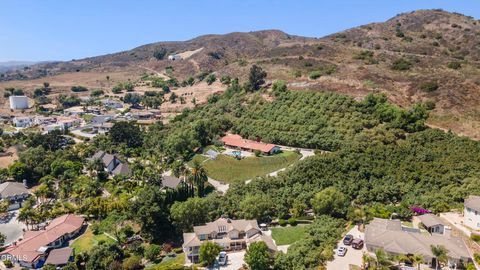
(394, 239)
(23, 121)
(60, 257)
(74, 111)
(432, 223)
(471, 213)
(68, 122)
(112, 164)
(44, 120)
(142, 115)
(18, 102)
(113, 104)
(14, 192)
(171, 182)
(236, 141)
(103, 128)
(33, 250)
(230, 234)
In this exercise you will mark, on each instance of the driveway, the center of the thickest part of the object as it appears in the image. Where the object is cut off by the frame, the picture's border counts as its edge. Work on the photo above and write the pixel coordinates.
(235, 261)
(353, 256)
(13, 230)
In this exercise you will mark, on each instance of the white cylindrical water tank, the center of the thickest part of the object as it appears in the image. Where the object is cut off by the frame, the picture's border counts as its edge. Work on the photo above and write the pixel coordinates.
(18, 102)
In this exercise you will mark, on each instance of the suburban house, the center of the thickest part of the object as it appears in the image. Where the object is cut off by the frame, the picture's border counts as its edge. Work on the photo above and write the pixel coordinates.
(432, 223)
(23, 121)
(103, 128)
(112, 164)
(33, 250)
(44, 120)
(15, 193)
(230, 234)
(74, 111)
(394, 239)
(471, 213)
(111, 103)
(171, 182)
(174, 57)
(236, 141)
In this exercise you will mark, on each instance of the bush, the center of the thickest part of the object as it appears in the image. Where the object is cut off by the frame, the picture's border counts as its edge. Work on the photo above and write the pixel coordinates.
(292, 221)
(430, 105)
(211, 79)
(160, 54)
(132, 263)
(454, 65)
(476, 257)
(429, 86)
(257, 153)
(96, 93)
(401, 64)
(282, 222)
(314, 74)
(475, 237)
(79, 89)
(8, 263)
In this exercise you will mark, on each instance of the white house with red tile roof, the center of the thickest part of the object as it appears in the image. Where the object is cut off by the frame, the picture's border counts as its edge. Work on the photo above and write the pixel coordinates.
(33, 250)
(236, 141)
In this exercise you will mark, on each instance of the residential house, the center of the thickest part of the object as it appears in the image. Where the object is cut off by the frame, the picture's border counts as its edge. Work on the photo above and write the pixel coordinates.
(60, 257)
(171, 182)
(112, 164)
(471, 212)
(23, 121)
(230, 234)
(174, 57)
(35, 247)
(432, 223)
(394, 239)
(68, 122)
(44, 120)
(111, 103)
(74, 111)
(236, 141)
(103, 128)
(15, 193)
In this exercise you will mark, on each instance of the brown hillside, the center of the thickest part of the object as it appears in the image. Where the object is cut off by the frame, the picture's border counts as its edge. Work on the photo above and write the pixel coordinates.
(426, 55)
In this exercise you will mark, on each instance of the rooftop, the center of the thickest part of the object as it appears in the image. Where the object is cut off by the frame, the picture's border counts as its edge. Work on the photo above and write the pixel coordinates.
(430, 220)
(10, 189)
(473, 202)
(237, 141)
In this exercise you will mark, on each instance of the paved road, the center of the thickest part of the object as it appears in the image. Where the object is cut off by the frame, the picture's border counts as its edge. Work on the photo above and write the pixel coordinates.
(13, 230)
(353, 256)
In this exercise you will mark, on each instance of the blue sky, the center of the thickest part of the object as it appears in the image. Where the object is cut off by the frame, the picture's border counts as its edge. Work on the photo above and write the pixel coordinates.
(67, 29)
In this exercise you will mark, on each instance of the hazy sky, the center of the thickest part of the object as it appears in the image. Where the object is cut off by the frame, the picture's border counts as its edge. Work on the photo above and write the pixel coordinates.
(67, 29)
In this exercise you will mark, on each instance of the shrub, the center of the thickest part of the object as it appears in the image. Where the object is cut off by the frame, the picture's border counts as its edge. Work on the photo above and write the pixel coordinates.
(132, 263)
(152, 252)
(79, 89)
(292, 221)
(314, 74)
(160, 54)
(454, 65)
(476, 257)
(211, 79)
(430, 105)
(401, 64)
(96, 93)
(8, 263)
(257, 153)
(475, 237)
(282, 222)
(429, 86)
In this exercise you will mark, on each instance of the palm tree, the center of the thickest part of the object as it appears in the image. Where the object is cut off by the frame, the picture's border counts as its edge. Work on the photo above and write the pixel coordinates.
(367, 260)
(440, 253)
(417, 259)
(199, 177)
(382, 260)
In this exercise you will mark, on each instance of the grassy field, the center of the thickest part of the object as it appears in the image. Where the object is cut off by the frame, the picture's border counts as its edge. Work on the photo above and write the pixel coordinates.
(229, 169)
(288, 235)
(86, 241)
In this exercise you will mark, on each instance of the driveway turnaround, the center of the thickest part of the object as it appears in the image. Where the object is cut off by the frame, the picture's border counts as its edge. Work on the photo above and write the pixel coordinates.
(13, 230)
(235, 261)
(353, 256)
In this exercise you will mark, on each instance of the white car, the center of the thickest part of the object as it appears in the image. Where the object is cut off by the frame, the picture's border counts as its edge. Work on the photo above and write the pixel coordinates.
(341, 251)
(222, 258)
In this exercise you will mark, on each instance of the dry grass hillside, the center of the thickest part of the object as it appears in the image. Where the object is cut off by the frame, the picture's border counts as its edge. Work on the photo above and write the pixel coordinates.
(426, 55)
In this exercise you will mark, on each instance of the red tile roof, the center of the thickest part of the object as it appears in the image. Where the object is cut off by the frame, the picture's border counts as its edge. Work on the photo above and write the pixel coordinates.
(28, 248)
(237, 141)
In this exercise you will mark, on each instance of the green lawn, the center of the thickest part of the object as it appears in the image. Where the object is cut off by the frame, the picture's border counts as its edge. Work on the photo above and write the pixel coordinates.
(288, 235)
(229, 169)
(170, 264)
(87, 240)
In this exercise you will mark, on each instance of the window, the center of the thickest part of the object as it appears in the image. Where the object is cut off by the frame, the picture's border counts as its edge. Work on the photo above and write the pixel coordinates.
(222, 228)
(202, 237)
